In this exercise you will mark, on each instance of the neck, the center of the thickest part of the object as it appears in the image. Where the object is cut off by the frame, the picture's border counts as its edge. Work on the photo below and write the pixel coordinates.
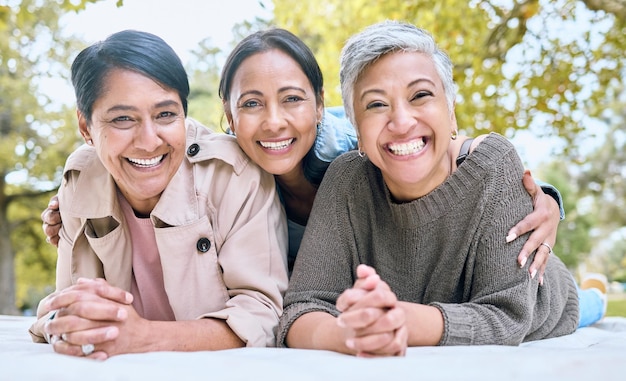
(298, 195)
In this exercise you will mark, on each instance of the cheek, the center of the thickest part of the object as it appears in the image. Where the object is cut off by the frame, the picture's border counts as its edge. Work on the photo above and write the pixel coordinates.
(245, 126)
(368, 133)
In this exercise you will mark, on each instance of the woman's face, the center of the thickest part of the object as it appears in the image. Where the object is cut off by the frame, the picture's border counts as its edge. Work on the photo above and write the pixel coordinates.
(273, 111)
(138, 130)
(404, 123)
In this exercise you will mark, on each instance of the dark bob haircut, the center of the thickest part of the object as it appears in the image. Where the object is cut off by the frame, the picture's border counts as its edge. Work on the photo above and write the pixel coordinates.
(141, 52)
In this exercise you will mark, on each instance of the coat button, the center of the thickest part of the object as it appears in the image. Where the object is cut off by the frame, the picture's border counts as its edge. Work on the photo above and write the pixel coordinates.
(193, 149)
(203, 245)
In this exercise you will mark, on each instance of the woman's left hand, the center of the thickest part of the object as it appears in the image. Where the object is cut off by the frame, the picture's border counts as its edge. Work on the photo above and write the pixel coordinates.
(543, 222)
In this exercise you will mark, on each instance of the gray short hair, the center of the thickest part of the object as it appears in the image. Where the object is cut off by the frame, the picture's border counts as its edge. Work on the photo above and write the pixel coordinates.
(373, 42)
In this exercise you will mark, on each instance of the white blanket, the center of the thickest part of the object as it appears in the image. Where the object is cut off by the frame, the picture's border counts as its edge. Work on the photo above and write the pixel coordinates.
(592, 353)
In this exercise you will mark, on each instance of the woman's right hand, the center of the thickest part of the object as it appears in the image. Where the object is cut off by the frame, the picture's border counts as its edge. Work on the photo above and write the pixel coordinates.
(89, 312)
(52, 223)
(370, 313)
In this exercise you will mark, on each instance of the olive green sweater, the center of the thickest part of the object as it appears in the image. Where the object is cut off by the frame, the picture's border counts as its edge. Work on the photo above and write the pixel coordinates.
(446, 249)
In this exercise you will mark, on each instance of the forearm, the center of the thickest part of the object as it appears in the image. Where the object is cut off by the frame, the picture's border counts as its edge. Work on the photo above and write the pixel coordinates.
(187, 336)
(317, 330)
(425, 324)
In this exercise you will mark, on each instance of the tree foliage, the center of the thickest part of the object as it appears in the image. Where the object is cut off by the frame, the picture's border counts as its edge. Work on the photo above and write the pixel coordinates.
(35, 139)
(552, 64)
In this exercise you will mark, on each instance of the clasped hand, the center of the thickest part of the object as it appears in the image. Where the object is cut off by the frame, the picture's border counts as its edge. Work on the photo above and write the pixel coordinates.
(89, 312)
(373, 322)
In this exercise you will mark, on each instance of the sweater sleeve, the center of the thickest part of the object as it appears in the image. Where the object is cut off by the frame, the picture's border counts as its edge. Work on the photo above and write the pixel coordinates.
(503, 306)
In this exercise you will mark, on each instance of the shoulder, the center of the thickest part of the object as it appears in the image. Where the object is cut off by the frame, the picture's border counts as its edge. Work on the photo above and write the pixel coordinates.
(81, 158)
(348, 171)
(335, 135)
(84, 163)
(205, 146)
(493, 148)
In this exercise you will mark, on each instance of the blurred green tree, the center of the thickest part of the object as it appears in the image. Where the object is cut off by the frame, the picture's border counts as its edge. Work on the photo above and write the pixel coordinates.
(553, 64)
(35, 138)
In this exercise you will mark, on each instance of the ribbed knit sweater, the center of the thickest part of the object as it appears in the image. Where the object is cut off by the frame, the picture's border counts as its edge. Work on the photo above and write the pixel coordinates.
(446, 249)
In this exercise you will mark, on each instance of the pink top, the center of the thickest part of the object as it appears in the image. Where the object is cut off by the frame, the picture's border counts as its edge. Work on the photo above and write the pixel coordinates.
(150, 299)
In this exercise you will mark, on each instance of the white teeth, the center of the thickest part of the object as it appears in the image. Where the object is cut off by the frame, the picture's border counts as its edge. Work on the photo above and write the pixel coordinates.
(147, 162)
(276, 145)
(407, 148)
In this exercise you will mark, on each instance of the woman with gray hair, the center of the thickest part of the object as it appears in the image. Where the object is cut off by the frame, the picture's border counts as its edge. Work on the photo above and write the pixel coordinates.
(403, 246)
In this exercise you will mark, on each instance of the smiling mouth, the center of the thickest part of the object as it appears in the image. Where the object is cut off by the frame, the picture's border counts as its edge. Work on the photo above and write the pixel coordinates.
(409, 148)
(276, 145)
(146, 163)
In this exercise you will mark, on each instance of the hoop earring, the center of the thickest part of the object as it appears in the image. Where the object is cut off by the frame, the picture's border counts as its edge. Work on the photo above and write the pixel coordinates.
(361, 153)
(454, 134)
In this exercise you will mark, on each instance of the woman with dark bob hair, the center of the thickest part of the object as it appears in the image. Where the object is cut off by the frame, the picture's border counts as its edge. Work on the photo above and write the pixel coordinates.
(172, 238)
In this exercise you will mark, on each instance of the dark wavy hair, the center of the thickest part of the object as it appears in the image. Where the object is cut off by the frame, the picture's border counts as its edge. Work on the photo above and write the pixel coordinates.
(263, 41)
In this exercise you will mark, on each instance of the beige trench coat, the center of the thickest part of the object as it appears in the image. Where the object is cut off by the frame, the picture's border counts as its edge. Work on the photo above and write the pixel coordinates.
(218, 200)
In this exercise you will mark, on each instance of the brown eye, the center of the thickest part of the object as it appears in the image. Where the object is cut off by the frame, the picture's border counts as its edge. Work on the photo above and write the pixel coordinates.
(250, 104)
(373, 105)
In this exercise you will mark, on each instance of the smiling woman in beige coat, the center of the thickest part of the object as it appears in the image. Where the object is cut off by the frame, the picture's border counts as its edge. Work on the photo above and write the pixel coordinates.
(172, 238)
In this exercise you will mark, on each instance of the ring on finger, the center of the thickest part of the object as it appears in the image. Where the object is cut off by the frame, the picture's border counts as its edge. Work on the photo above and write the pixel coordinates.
(87, 349)
(548, 246)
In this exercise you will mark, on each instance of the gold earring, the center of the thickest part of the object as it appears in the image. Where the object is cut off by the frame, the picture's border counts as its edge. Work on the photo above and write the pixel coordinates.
(454, 134)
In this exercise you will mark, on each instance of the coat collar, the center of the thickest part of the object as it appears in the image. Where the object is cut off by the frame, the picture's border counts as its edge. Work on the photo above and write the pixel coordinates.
(178, 204)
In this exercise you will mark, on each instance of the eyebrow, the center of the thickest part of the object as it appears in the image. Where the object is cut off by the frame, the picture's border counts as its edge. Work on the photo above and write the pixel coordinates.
(412, 83)
(165, 103)
(280, 90)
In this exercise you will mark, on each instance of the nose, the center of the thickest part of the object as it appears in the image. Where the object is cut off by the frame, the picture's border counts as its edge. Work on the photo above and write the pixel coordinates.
(403, 118)
(147, 136)
(274, 118)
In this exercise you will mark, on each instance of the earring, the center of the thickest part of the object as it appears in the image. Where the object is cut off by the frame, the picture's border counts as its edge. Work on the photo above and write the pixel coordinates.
(90, 142)
(454, 134)
(361, 153)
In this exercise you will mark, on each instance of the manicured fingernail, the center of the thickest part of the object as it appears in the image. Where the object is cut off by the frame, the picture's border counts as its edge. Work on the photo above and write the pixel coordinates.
(511, 237)
(109, 334)
(523, 262)
(541, 281)
(350, 343)
(121, 314)
(533, 273)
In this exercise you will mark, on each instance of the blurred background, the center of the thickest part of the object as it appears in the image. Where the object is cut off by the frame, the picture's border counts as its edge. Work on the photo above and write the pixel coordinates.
(549, 74)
